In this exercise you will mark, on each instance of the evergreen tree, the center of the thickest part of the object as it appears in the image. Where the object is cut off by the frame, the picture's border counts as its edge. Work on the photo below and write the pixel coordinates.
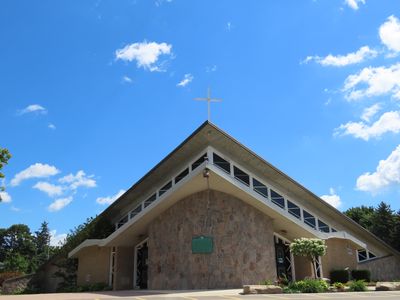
(382, 222)
(42, 239)
(396, 232)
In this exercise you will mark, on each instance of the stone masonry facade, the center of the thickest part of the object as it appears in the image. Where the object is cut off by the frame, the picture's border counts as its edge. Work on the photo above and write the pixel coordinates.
(243, 242)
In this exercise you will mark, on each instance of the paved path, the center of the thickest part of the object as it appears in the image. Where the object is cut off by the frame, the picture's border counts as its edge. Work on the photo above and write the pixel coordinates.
(203, 295)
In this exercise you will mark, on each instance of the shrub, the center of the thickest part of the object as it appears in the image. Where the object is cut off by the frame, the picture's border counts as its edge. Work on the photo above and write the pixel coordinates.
(339, 276)
(309, 286)
(339, 286)
(266, 282)
(8, 275)
(361, 275)
(358, 286)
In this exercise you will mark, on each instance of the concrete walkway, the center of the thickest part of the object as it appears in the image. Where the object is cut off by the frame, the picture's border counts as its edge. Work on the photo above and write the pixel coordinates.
(202, 295)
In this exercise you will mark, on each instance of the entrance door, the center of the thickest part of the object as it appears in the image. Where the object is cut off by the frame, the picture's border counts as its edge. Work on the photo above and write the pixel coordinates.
(283, 259)
(141, 265)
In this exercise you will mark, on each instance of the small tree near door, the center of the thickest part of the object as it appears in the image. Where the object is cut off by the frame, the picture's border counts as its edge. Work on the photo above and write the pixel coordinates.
(310, 248)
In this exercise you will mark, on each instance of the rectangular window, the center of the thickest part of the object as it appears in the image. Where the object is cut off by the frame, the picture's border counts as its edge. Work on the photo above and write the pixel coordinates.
(199, 161)
(260, 188)
(122, 221)
(277, 199)
(309, 219)
(241, 176)
(362, 255)
(150, 200)
(333, 229)
(294, 210)
(371, 255)
(181, 175)
(137, 210)
(165, 188)
(222, 163)
(323, 227)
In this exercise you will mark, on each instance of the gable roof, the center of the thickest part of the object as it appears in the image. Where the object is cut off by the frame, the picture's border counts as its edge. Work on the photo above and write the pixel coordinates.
(208, 134)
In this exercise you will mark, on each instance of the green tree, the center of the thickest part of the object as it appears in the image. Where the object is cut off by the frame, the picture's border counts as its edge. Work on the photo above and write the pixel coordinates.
(4, 157)
(309, 248)
(396, 232)
(42, 240)
(362, 215)
(382, 222)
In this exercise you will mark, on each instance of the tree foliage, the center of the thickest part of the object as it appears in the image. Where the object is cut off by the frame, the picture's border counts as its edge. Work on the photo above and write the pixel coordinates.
(4, 157)
(309, 248)
(381, 221)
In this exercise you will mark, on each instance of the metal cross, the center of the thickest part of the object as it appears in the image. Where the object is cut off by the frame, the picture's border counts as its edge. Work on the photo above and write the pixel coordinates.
(209, 100)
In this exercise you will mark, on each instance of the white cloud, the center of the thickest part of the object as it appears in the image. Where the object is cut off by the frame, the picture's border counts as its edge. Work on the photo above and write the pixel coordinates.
(388, 122)
(344, 60)
(371, 111)
(186, 80)
(16, 209)
(48, 188)
(110, 199)
(127, 79)
(5, 197)
(332, 198)
(374, 82)
(78, 180)
(387, 173)
(52, 126)
(37, 170)
(33, 108)
(212, 68)
(354, 3)
(389, 32)
(229, 26)
(146, 54)
(59, 204)
(57, 239)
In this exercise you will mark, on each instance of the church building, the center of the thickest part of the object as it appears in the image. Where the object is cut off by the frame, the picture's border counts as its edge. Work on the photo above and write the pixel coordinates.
(213, 214)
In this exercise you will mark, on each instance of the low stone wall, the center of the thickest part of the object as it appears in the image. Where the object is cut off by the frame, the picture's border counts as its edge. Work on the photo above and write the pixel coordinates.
(16, 285)
(383, 268)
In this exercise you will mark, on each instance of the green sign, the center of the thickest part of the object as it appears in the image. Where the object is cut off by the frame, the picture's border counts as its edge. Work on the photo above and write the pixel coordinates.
(202, 244)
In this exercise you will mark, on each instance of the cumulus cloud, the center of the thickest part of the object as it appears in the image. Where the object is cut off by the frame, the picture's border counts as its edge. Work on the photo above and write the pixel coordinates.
(145, 54)
(371, 111)
(332, 198)
(59, 204)
(186, 80)
(57, 239)
(52, 126)
(387, 174)
(78, 180)
(110, 199)
(50, 189)
(389, 32)
(5, 197)
(373, 81)
(359, 56)
(37, 170)
(33, 108)
(354, 3)
(388, 122)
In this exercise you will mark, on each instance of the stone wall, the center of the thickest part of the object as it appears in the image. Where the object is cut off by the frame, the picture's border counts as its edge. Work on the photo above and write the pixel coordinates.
(383, 269)
(16, 285)
(243, 241)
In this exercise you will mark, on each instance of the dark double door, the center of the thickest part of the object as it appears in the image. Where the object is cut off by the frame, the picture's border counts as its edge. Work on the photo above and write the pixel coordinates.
(142, 255)
(283, 259)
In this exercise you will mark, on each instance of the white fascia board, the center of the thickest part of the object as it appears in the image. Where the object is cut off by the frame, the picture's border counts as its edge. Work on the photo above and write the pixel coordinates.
(84, 244)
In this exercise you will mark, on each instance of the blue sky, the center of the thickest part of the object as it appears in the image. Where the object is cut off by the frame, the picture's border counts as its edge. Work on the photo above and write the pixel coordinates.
(94, 93)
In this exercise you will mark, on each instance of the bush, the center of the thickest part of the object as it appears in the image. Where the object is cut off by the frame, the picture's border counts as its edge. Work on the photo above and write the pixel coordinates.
(309, 286)
(339, 286)
(8, 275)
(361, 275)
(266, 282)
(358, 286)
(339, 276)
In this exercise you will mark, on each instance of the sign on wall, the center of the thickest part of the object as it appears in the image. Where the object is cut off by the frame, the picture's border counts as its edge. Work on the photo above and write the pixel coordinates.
(202, 245)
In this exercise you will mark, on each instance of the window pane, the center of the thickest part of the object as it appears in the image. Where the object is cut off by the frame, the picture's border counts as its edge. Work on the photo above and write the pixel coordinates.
(150, 200)
(165, 188)
(362, 255)
(309, 219)
(137, 210)
(277, 199)
(371, 255)
(322, 226)
(199, 161)
(240, 175)
(260, 188)
(294, 210)
(122, 221)
(181, 175)
(333, 230)
(222, 163)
